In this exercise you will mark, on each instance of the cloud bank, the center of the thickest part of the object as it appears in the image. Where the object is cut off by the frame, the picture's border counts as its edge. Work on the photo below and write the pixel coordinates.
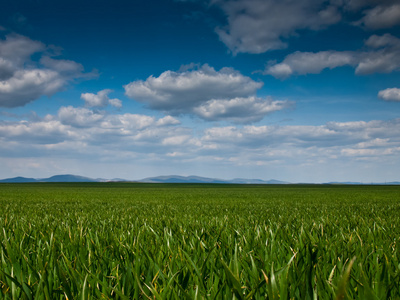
(119, 138)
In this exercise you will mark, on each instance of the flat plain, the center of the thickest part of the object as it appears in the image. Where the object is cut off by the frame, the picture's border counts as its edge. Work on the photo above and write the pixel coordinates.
(199, 241)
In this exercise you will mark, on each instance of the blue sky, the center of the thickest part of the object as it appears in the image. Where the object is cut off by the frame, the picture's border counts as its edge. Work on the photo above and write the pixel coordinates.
(301, 91)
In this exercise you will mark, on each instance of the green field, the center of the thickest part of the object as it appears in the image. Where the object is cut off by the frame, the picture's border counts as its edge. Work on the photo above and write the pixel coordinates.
(197, 241)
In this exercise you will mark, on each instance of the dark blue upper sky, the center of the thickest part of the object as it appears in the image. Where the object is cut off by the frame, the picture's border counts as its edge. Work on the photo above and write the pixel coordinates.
(305, 90)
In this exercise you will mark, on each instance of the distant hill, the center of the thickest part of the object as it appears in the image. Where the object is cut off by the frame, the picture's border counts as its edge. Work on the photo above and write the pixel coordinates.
(197, 179)
(67, 178)
(18, 179)
(345, 182)
(158, 179)
(256, 181)
(56, 178)
(368, 183)
(181, 179)
(172, 179)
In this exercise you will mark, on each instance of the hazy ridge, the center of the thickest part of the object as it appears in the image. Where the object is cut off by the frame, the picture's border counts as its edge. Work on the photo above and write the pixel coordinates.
(170, 179)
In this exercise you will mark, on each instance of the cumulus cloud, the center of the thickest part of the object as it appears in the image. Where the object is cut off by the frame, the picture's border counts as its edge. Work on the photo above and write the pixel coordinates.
(391, 94)
(61, 65)
(256, 26)
(334, 135)
(86, 135)
(203, 91)
(181, 91)
(115, 102)
(240, 110)
(79, 117)
(7, 69)
(381, 41)
(310, 63)
(74, 124)
(336, 146)
(168, 120)
(383, 57)
(100, 99)
(128, 122)
(27, 85)
(381, 16)
(47, 131)
(95, 130)
(24, 80)
(18, 49)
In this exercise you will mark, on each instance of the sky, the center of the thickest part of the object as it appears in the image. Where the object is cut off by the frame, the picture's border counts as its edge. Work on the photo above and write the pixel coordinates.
(293, 90)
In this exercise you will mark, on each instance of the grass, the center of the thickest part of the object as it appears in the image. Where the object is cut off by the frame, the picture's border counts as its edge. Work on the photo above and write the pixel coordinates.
(199, 241)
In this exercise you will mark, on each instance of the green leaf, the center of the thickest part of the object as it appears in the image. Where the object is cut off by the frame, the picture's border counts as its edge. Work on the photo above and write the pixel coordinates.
(341, 291)
(234, 280)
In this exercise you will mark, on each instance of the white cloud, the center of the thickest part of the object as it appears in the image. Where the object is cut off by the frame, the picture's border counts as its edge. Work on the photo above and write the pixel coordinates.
(92, 129)
(22, 135)
(85, 135)
(391, 94)
(115, 102)
(382, 16)
(209, 94)
(281, 70)
(71, 124)
(168, 120)
(128, 122)
(100, 99)
(175, 140)
(79, 117)
(256, 26)
(379, 63)
(304, 149)
(62, 65)
(310, 63)
(386, 57)
(331, 135)
(179, 92)
(240, 110)
(24, 80)
(27, 85)
(7, 69)
(383, 57)
(382, 41)
(18, 49)
(15, 50)
(369, 152)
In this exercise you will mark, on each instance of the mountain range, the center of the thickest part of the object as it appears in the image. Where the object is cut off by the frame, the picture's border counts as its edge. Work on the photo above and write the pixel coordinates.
(56, 178)
(198, 179)
(167, 179)
(158, 179)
